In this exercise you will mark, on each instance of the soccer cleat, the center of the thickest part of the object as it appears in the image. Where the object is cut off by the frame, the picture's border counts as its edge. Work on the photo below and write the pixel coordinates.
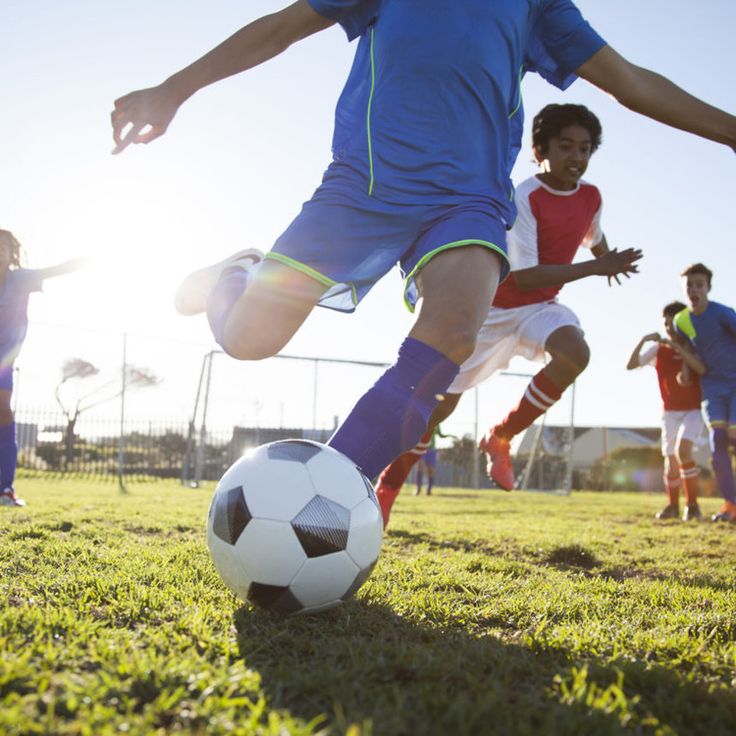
(498, 464)
(191, 296)
(671, 511)
(8, 498)
(727, 512)
(386, 497)
(692, 513)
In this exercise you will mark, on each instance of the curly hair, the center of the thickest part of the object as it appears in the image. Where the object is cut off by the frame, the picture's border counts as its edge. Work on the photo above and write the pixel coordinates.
(551, 119)
(15, 249)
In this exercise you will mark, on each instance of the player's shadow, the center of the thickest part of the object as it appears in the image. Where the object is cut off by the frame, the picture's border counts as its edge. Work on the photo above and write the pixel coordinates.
(365, 662)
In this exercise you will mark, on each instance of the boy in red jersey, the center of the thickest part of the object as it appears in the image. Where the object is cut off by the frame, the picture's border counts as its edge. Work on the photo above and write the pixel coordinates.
(678, 371)
(558, 213)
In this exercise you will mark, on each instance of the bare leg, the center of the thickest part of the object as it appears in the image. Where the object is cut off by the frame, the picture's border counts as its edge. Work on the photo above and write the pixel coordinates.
(273, 307)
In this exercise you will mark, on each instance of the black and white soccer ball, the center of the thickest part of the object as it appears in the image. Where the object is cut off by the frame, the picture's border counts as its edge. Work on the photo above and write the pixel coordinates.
(294, 527)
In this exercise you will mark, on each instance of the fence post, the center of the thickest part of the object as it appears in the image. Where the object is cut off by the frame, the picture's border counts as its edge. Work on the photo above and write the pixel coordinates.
(121, 442)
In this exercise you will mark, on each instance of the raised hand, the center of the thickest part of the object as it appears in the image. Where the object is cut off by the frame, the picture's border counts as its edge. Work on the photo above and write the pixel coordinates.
(143, 115)
(617, 263)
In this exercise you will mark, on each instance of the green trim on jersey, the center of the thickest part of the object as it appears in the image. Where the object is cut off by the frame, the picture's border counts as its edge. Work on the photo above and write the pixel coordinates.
(457, 244)
(518, 104)
(683, 321)
(368, 117)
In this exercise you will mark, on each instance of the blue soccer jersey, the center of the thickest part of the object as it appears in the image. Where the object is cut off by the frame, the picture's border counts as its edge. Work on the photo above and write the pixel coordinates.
(432, 106)
(713, 335)
(14, 293)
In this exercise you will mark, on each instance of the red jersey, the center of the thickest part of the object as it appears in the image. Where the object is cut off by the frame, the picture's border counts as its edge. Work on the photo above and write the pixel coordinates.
(549, 229)
(668, 363)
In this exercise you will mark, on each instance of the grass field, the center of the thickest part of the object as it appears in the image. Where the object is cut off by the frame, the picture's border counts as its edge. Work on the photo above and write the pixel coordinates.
(488, 613)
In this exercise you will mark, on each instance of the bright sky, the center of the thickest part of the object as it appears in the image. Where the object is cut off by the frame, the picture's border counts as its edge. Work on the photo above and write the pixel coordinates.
(240, 158)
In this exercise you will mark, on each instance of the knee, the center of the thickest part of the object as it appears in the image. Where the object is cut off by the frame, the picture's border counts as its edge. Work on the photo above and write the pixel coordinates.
(578, 357)
(684, 452)
(454, 338)
(719, 440)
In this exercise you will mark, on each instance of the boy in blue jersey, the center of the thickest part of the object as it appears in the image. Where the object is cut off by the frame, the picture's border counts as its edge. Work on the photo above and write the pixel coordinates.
(16, 285)
(711, 328)
(426, 131)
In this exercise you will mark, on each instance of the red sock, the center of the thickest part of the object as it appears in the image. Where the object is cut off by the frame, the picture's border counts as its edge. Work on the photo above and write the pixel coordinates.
(672, 486)
(395, 474)
(539, 396)
(690, 479)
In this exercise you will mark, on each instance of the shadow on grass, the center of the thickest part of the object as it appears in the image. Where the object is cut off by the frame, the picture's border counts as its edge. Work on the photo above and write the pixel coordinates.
(364, 662)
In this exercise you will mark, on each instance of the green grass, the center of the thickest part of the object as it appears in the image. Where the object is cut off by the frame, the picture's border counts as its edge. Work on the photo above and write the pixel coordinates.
(488, 613)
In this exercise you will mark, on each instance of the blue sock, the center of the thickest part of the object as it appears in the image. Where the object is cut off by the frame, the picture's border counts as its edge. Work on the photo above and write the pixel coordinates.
(222, 299)
(430, 483)
(420, 480)
(8, 455)
(722, 464)
(392, 416)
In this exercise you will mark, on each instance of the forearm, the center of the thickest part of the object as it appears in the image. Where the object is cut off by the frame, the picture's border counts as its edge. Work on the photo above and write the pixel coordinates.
(550, 274)
(655, 96)
(693, 362)
(60, 269)
(253, 44)
(634, 361)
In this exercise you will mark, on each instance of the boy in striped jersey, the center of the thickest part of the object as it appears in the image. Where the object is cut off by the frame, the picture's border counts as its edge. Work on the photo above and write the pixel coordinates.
(678, 371)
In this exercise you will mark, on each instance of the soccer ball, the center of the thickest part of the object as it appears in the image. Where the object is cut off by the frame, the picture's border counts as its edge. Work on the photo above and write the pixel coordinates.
(294, 527)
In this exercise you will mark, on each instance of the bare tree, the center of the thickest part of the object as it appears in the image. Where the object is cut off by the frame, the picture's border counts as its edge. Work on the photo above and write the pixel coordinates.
(75, 397)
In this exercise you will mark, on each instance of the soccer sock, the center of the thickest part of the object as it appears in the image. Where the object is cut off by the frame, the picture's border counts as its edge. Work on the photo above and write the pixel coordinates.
(420, 480)
(392, 416)
(690, 479)
(539, 396)
(430, 483)
(672, 486)
(722, 464)
(8, 455)
(231, 286)
(395, 475)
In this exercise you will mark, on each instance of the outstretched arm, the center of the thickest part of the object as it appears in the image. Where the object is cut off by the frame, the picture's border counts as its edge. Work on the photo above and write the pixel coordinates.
(634, 360)
(144, 115)
(689, 357)
(60, 269)
(655, 96)
(609, 263)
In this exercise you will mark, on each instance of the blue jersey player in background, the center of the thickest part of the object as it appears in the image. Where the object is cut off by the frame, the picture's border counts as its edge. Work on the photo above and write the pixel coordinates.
(711, 328)
(426, 131)
(16, 285)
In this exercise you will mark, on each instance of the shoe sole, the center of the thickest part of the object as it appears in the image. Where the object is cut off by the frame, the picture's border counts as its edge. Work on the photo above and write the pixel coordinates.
(191, 296)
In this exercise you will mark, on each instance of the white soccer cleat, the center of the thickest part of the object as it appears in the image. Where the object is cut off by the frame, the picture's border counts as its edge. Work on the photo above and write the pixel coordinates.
(8, 498)
(191, 296)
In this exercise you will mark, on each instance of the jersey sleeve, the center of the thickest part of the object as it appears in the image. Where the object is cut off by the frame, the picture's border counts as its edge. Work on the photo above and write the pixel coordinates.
(595, 232)
(353, 15)
(29, 280)
(649, 356)
(562, 40)
(522, 238)
(728, 319)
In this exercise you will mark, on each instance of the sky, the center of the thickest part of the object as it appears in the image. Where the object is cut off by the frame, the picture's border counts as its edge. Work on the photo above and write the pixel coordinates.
(240, 158)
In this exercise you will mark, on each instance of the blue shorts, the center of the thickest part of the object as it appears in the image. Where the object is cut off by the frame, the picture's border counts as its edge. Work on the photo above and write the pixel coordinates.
(6, 377)
(719, 407)
(430, 457)
(348, 240)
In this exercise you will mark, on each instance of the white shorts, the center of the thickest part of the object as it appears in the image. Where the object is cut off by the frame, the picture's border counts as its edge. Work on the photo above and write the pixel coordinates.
(681, 425)
(507, 333)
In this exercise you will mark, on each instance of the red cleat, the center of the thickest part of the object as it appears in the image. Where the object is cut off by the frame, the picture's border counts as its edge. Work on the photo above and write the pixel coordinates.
(498, 464)
(386, 497)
